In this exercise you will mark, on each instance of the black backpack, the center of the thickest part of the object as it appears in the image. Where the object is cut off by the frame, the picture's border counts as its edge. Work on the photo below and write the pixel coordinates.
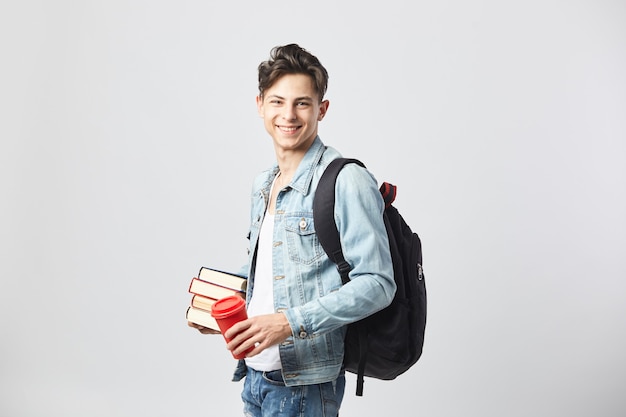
(387, 343)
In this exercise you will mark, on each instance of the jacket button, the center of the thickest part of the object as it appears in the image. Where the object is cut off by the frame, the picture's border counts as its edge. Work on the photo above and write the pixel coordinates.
(303, 335)
(302, 224)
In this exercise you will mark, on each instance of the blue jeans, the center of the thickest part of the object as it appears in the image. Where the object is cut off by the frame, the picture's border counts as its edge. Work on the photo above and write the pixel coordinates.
(265, 395)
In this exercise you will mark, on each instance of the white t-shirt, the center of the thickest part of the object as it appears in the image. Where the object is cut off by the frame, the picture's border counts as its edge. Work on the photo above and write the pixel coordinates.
(262, 301)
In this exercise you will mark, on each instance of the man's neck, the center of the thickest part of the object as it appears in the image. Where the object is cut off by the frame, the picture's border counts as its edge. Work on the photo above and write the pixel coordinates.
(288, 162)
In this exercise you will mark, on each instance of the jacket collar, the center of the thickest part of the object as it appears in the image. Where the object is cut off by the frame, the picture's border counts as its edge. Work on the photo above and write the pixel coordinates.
(303, 176)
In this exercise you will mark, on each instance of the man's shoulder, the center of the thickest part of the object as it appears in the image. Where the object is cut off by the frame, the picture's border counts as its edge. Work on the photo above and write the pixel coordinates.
(264, 178)
(329, 155)
(351, 170)
(352, 178)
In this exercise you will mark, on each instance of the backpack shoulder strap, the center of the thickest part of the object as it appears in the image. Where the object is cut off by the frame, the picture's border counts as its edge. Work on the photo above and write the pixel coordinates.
(328, 236)
(324, 215)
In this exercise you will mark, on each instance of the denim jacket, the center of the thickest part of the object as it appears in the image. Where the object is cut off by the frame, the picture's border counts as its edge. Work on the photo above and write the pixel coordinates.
(307, 285)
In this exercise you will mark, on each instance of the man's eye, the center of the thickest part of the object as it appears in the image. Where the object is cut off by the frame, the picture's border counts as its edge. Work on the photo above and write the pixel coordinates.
(302, 103)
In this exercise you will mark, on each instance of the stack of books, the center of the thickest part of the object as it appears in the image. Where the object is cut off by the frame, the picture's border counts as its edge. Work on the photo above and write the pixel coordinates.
(209, 286)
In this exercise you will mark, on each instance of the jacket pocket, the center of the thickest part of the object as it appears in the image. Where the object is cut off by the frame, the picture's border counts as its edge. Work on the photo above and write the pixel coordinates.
(302, 243)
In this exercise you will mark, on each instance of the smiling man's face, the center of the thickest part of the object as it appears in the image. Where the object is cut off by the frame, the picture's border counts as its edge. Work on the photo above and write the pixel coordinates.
(291, 110)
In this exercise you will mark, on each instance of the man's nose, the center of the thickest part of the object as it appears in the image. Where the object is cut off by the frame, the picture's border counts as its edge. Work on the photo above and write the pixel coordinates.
(289, 113)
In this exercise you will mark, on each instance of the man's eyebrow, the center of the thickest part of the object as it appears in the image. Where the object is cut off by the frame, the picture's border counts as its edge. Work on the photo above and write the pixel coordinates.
(307, 98)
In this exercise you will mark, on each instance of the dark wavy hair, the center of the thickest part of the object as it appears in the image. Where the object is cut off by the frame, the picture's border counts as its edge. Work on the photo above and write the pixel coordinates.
(292, 59)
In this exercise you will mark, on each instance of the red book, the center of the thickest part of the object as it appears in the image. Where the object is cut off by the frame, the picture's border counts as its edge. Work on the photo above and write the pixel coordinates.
(210, 290)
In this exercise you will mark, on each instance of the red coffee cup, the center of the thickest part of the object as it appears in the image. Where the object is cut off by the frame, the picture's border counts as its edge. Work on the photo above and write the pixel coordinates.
(228, 311)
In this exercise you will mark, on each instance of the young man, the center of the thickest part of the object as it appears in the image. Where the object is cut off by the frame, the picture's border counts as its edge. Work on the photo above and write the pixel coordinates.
(297, 306)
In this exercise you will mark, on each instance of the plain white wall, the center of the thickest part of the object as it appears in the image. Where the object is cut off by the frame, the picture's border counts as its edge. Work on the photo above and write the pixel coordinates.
(129, 139)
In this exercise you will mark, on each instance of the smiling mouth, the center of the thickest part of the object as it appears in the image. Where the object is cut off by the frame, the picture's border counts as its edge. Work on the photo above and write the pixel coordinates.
(288, 129)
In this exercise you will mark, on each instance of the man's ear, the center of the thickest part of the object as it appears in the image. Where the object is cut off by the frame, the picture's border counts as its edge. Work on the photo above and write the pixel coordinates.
(259, 105)
(323, 109)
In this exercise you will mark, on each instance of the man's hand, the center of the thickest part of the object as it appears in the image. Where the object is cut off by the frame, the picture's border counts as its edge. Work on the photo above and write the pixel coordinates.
(259, 331)
(202, 329)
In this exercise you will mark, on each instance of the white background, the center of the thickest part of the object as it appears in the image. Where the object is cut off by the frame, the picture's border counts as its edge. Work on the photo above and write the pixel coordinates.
(129, 139)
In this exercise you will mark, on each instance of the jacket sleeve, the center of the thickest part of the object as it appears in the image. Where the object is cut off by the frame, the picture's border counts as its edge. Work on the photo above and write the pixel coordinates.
(359, 216)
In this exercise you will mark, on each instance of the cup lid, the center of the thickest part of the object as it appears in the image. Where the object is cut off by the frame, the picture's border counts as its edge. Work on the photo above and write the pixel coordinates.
(227, 305)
